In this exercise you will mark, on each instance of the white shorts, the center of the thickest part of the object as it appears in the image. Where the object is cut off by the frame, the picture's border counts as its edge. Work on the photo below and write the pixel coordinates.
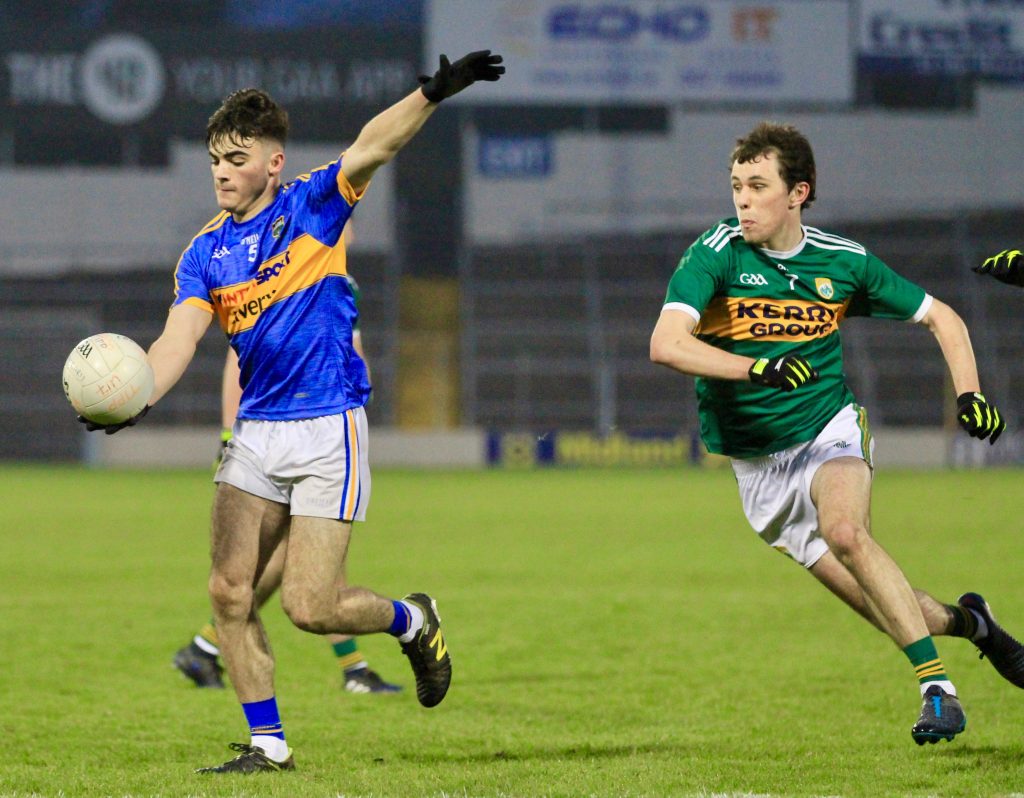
(776, 489)
(317, 466)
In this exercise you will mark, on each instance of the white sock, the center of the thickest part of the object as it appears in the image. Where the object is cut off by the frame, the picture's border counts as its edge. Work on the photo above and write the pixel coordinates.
(415, 621)
(206, 645)
(945, 684)
(982, 632)
(274, 747)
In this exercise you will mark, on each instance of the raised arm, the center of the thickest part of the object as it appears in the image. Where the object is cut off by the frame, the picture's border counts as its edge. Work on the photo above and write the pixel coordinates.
(384, 135)
(975, 414)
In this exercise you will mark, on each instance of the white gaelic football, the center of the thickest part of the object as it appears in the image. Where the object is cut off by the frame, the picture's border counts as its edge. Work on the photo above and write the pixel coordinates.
(107, 378)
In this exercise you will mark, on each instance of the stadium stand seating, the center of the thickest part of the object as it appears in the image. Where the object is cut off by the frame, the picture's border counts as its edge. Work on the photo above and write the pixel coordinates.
(553, 336)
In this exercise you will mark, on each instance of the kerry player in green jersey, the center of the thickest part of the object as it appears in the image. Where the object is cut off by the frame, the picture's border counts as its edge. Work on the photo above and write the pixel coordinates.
(753, 311)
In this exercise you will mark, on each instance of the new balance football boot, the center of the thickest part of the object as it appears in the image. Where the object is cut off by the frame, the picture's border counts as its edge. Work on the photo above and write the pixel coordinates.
(1002, 650)
(942, 717)
(428, 653)
(250, 759)
(199, 666)
(366, 680)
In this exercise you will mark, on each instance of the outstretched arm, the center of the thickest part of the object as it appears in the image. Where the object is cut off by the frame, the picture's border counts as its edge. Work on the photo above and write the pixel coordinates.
(384, 135)
(979, 418)
(171, 353)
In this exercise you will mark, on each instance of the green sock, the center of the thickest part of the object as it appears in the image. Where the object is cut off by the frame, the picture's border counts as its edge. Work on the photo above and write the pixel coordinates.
(349, 656)
(926, 662)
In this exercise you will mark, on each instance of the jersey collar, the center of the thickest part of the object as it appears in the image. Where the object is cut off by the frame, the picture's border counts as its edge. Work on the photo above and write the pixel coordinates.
(771, 253)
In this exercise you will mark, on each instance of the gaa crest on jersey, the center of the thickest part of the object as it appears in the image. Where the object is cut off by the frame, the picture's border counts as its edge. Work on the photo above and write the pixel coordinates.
(277, 227)
(824, 286)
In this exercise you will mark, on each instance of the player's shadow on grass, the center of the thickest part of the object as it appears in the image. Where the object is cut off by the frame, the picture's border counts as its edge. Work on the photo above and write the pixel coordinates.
(550, 754)
(981, 757)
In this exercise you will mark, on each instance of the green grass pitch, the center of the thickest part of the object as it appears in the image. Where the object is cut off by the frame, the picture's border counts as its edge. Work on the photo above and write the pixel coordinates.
(613, 633)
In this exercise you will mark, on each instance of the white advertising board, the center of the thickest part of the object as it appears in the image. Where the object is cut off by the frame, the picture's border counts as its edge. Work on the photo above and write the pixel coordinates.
(652, 51)
(982, 38)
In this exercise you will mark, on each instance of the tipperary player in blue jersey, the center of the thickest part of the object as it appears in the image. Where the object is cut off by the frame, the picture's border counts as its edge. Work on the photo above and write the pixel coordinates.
(270, 267)
(199, 660)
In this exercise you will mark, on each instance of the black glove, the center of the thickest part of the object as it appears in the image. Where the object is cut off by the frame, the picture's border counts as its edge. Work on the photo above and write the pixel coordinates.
(452, 78)
(978, 417)
(785, 373)
(1007, 267)
(110, 429)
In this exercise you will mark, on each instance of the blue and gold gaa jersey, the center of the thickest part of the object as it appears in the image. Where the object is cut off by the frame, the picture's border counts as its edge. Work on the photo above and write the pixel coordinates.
(758, 303)
(277, 284)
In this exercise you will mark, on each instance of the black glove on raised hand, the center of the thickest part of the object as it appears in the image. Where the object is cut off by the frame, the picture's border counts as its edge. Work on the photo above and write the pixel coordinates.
(979, 418)
(110, 429)
(785, 373)
(452, 78)
(1007, 267)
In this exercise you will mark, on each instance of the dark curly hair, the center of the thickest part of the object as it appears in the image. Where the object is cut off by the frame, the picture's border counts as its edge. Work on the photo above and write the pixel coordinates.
(790, 146)
(247, 114)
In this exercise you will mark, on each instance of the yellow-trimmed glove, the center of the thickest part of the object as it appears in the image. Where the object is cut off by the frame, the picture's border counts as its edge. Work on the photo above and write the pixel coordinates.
(785, 373)
(979, 418)
(1007, 267)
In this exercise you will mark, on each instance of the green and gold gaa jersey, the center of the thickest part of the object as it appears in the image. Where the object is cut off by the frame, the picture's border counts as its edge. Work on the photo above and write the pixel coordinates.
(758, 303)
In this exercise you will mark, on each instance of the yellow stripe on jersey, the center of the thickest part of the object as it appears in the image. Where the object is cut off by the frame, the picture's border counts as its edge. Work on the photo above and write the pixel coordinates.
(344, 187)
(350, 194)
(305, 262)
(211, 225)
(196, 302)
(765, 319)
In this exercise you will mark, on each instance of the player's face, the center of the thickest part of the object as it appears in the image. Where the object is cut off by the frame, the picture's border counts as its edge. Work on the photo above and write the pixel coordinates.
(245, 174)
(769, 212)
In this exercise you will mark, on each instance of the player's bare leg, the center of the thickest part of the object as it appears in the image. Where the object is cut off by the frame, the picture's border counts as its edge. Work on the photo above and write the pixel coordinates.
(358, 676)
(270, 578)
(246, 530)
(841, 492)
(314, 591)
(837, 578)
(317, 597)
(970, 618)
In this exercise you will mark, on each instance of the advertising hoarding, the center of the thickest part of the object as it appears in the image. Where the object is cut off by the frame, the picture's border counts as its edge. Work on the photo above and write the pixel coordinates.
(950, 38)
(647, 51)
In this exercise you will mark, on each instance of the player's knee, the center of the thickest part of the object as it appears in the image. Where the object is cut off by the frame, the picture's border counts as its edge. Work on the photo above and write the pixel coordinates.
(231, 600)
(306, 612)
(846, 538)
